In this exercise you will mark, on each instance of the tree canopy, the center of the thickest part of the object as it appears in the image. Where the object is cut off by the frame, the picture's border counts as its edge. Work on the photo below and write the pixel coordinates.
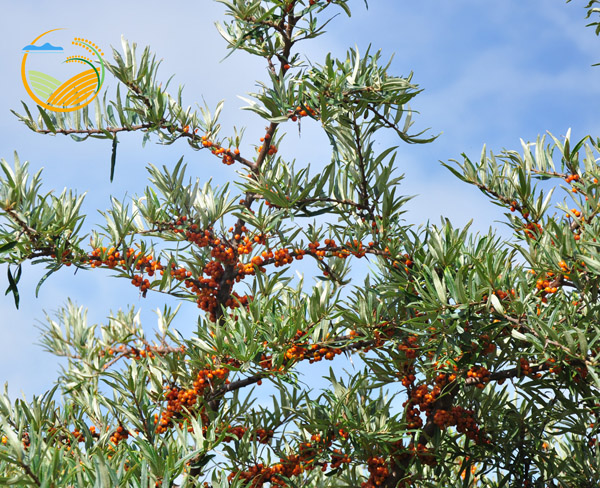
(470, 360)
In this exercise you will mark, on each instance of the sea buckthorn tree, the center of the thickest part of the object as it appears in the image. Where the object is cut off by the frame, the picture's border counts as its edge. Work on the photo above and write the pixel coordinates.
(475, 358)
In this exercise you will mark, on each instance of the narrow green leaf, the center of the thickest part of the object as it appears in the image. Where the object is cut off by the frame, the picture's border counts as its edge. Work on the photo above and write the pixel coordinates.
(47, 120)
(44, 278)
(113, 157)
(8, 246)
(12, 286)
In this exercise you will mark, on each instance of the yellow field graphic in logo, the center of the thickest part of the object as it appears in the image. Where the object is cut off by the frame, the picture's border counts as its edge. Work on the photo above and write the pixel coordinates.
(74, 93)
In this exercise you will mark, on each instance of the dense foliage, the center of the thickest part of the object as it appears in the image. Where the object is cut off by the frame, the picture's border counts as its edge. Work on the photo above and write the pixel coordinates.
(475, 359)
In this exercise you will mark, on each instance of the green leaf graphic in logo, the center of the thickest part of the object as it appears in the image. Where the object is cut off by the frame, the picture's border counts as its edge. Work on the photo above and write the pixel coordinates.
(42, 84)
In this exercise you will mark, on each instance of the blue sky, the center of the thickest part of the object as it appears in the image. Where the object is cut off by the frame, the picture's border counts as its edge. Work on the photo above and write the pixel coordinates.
(493, 72)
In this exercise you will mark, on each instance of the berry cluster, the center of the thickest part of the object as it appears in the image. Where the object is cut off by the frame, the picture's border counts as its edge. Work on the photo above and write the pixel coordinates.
(553, 367)
(236, 432)
(339, 459)
(564, 268)
(544, 283)
(302, 111)
(524, 367)
(485, 345)
(262, 436)
(145, 264)
(318, 353)
(581, 373)
(462, 419)
(25, 440)
(533, 230)
(271, 149)
(224, 254)
(573, 177)
(137, 353)
(422, 400)
(78, 435)
(179, 399)
(259, 474)
(107, 257)
(281, 257)
(227, 155)
(112, 258)
(504, 294)
(141, 283)
(408, 263)
(577, 214)
(314, 352)
(299, 351)
(378, 472)
(410, 347)
(200, 238)
(313, 248)
(307, 459)
(66, 257)
(473, 470)
(480, 374)
(120, 434)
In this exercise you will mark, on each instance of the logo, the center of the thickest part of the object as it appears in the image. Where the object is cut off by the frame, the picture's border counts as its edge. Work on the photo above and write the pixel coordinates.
(83, 75)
